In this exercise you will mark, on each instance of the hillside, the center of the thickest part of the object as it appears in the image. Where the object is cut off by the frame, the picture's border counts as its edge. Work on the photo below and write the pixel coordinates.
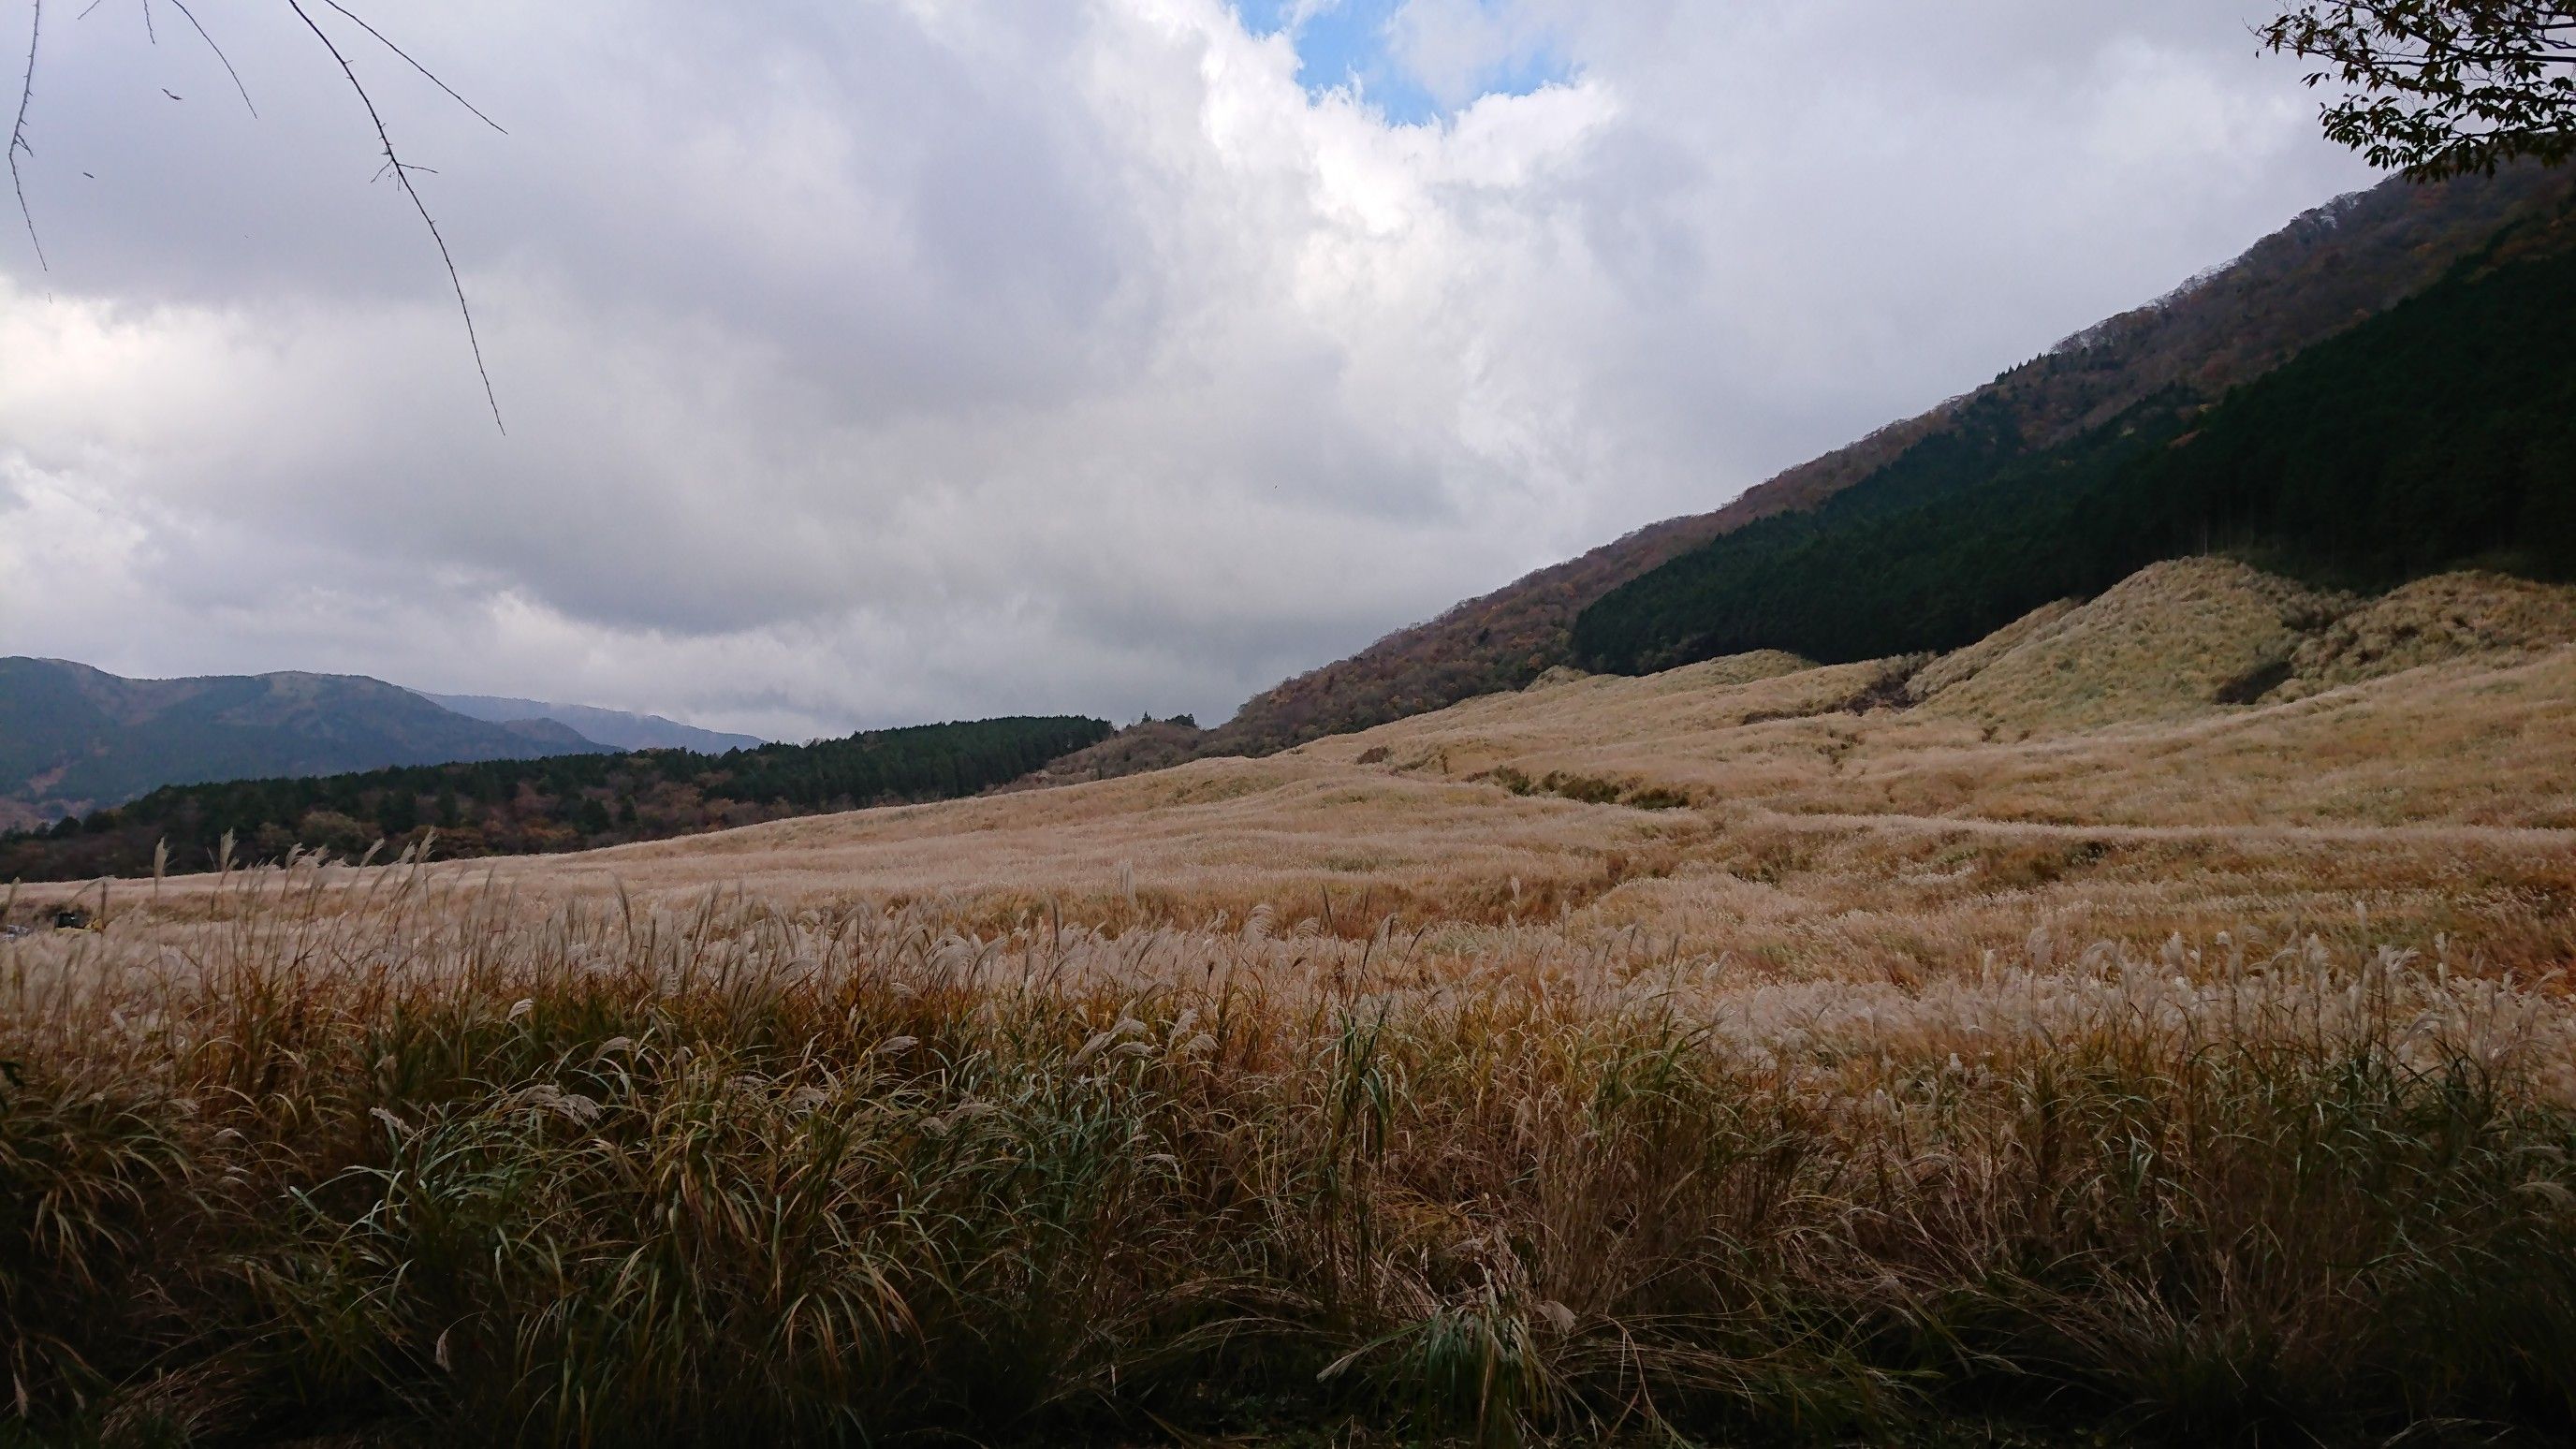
(74, 739)
(2169, 641)
(2196, 693)
(2089, 765)
(1148, 744)
(519, 807)
(2110, 720)
(1828, 1068)
(2317, 276)
(2440, 432)
(615, 728)
(2449, 616)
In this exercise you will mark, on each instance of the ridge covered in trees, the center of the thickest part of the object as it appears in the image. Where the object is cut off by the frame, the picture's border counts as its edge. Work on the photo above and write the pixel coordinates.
(514, 807)
(74, 739)
(2439, 433)
(2350, 259)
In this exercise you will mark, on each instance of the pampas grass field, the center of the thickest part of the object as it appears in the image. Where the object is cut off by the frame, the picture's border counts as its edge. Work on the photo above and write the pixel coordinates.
(1732, 1056)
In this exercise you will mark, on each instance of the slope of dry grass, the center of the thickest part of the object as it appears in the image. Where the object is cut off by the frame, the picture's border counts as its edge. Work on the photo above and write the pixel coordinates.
(1959, 665)
(2433, 621)
(2169, 641)
(1733, 1055)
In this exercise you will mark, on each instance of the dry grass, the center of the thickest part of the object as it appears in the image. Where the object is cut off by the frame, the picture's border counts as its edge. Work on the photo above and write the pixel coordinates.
(2168, 641)
(617, 1174)
(1960, 665)
(2433, 621)
(2210, 1073)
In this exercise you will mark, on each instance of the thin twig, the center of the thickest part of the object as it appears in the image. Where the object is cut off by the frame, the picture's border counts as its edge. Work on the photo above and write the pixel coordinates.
(361, 23)
(182, 8)
(403, 175)
(149, 33)
(18, 135)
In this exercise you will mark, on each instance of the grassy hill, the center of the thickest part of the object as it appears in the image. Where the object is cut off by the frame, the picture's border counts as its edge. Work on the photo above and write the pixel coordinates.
(73, 738)
(2023, 1047)
(514, 807)
(2316, 277)
(2439, 432)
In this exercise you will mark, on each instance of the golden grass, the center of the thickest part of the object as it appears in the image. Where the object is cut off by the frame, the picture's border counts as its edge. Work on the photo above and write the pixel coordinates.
(2206, 1069)
(411, 1154)
(2166, 642)
(1959, 665)
(2468, 615)
(1819, 841)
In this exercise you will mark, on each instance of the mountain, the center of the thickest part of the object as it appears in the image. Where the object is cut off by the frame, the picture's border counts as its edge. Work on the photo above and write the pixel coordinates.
(2326, 271)
(2440, 432)
(531, 806)
(615, 728)
(74, 739)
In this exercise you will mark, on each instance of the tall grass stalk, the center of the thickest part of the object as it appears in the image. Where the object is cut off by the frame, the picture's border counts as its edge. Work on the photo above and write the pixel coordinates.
(368, 1148)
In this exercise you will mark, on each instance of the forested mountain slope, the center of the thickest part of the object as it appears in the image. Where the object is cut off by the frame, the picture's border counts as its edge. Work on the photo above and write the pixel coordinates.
(2441, 432)
(74, 739)
(2330, 268)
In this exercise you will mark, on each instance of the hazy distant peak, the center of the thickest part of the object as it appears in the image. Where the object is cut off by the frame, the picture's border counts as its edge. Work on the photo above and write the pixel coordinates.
(615, 728)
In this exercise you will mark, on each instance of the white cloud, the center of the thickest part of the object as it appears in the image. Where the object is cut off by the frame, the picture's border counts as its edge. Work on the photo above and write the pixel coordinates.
(870, 363)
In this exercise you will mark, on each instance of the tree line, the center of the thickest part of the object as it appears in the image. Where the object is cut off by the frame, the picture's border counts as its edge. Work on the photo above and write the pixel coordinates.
(564, 802)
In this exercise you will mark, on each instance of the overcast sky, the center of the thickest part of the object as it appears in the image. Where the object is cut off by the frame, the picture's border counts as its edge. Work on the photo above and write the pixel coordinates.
(878, 361)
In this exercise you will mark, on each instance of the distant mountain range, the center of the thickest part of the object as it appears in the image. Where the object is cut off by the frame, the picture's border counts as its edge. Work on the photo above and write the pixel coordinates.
(614, 728)
(74, 739)
(522, 807)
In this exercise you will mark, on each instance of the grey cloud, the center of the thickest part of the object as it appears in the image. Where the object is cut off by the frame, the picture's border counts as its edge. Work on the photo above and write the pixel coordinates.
(891, 361)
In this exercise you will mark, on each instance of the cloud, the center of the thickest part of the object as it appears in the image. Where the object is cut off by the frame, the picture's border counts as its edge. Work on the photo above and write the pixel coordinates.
(875, 363)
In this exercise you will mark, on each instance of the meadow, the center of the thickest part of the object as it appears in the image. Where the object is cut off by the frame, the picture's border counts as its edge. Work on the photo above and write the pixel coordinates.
(2011, 1050)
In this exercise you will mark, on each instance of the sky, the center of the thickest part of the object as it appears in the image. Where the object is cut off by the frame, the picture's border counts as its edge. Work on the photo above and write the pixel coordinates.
(872, 362)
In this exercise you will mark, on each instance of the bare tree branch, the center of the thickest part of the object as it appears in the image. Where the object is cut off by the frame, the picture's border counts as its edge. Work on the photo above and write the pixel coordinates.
(18, 135)
(402, 174)
(182, 8)
(401, 170)
(361, 23)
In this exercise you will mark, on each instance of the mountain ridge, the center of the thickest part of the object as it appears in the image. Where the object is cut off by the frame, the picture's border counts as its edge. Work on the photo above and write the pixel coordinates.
(2438, 433)
(2329, 268)
(573, 801)
(616, 728)
(75, 738)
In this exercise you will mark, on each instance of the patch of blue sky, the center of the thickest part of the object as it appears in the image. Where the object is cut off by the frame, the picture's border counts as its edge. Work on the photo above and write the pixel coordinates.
(1349, 44)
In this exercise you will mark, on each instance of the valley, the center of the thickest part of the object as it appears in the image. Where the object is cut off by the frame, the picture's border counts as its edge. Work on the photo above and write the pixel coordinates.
(2053, 924)
(2079, 766)
(1884, 1051)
